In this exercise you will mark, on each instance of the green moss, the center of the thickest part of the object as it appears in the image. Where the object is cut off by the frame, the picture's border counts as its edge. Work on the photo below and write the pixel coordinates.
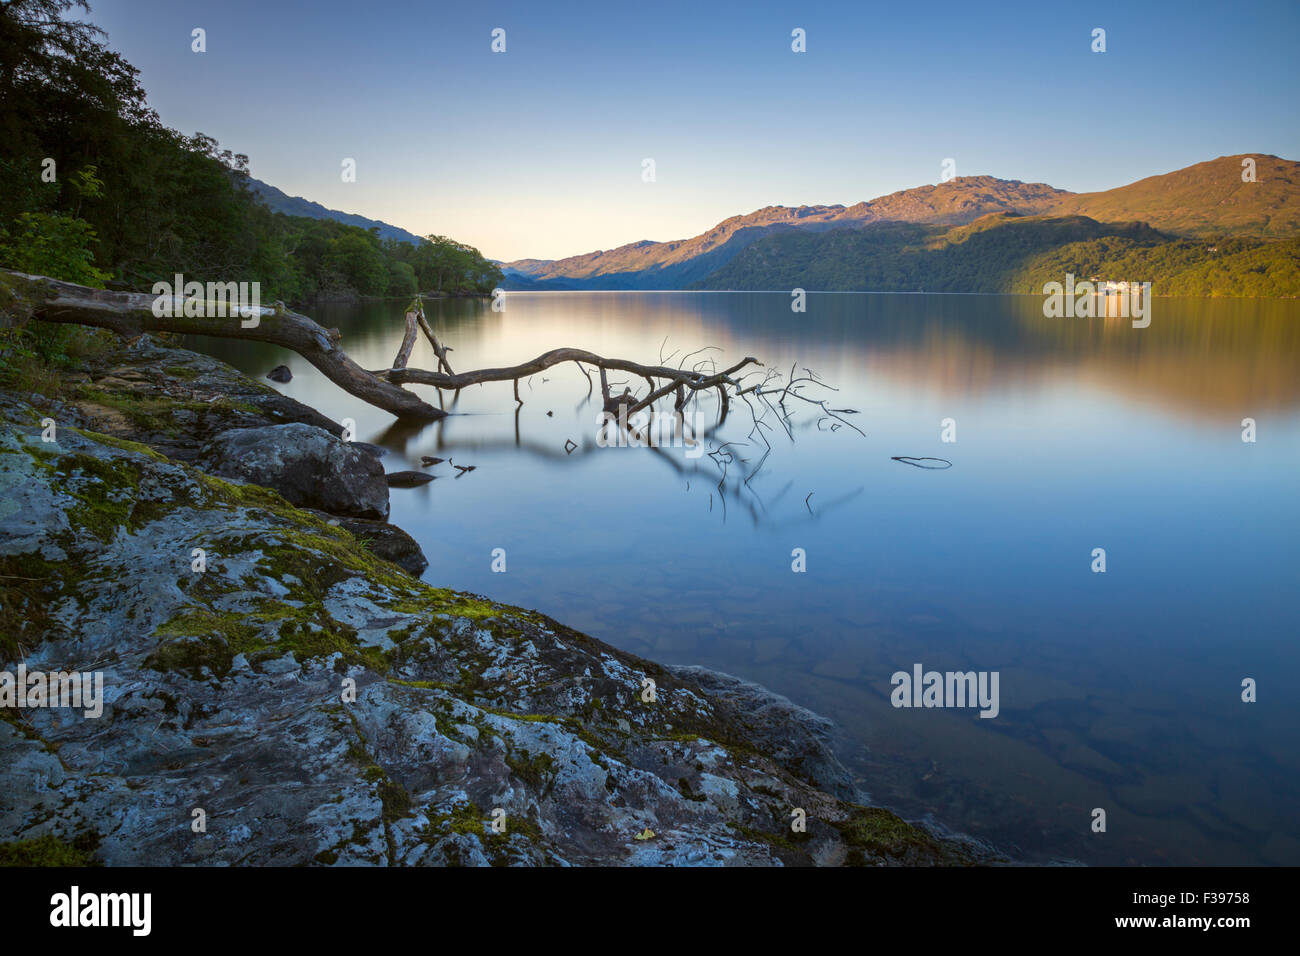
(30, 589)
(106, 500)
(238, 495)
(204, 638)
(226, 401)
(529, 718)
(454, 604)
(762, 836)
(122, 443)
(46, 851)
(316, 551)
(191, 655)
(395, 800)
(467, 819)
(182, 371)
(537, 770)
(525, 827)
(876, 831)
(422, 684)
(200, 622)
(44, 459)
(148, 413)
(107, 497)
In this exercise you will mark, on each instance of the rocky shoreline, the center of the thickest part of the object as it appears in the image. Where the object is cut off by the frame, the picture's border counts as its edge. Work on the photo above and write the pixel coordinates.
(311, 701)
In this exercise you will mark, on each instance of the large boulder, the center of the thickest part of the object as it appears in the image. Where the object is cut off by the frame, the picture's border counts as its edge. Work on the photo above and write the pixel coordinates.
(307, 465)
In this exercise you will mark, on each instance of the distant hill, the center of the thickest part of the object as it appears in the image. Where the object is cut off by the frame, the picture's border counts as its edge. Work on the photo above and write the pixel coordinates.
(1206, 199)
(983, 256)
(675, 265)
(281, 201)
(806, 246)
(1009, 253)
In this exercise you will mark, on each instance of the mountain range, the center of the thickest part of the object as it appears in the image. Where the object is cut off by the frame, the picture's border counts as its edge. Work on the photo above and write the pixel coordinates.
(932, 237)
(280, 201)
(1201, 230)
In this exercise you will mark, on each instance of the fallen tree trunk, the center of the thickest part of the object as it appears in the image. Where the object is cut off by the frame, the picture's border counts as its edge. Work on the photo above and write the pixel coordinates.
(131, 313)
(25, 296)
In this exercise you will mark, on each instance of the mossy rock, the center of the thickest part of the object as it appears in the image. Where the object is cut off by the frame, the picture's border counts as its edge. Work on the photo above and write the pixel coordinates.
(873, 832)
(46, 851)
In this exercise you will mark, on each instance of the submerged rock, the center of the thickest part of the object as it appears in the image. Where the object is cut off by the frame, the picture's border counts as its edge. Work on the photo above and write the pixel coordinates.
(408, 479)
(280, 374)
(307, 465)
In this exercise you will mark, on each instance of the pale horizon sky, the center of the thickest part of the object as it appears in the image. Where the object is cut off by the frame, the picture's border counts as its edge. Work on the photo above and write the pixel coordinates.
(537, 152)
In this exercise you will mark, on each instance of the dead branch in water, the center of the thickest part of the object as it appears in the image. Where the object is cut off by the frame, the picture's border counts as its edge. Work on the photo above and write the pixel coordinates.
(131, 313)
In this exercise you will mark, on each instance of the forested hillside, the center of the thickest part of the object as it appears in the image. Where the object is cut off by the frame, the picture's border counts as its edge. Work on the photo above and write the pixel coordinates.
(95, 189)
(1008, 253)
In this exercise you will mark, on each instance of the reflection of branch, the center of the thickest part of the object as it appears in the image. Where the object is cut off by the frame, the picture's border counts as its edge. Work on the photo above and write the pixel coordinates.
(916, 462)
(398, 436)
(792, 391)
(764, 391)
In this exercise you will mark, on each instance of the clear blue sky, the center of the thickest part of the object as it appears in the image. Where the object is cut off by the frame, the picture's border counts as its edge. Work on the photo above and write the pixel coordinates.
(537, 151)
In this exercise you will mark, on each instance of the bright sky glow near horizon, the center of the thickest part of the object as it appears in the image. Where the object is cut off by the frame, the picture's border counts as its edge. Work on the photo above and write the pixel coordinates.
(537, 152)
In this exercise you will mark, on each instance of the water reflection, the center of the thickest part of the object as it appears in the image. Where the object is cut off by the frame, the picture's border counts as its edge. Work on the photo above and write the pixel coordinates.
(1119, 690)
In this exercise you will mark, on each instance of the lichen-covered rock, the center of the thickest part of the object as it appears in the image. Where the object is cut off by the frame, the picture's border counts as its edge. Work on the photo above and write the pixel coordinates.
(311, 703)
(171, 399)
(307, 465)
(385, 541)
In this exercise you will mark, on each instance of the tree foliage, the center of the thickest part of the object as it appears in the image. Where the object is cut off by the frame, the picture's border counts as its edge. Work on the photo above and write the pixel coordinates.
(94, 188)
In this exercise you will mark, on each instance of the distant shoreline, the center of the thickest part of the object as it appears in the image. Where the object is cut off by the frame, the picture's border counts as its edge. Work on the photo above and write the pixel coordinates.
(786, 292)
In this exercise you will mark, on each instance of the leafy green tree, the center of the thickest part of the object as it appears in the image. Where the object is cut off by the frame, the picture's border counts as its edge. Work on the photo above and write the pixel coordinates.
(52, 245)
(358, 263)
(401, 279)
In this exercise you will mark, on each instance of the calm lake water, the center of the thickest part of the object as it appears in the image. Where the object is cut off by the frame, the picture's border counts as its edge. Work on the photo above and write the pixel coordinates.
(1119, 691)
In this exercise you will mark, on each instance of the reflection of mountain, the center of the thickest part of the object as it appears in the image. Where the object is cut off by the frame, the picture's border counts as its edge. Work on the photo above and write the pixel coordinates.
(1200, 358)
(1203, 359)
(922, 239)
